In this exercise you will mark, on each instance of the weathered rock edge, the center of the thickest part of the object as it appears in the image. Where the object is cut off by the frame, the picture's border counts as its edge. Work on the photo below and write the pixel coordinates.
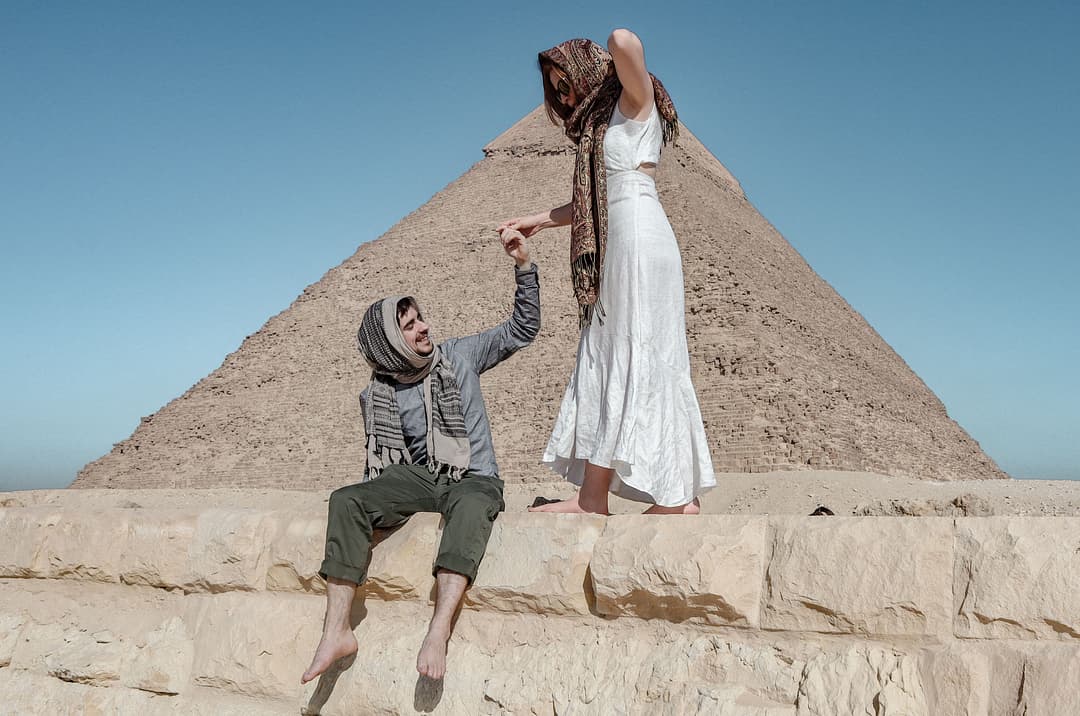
(217, 610)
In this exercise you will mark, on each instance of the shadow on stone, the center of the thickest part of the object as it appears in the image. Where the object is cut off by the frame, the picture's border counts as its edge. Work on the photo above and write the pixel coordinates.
(427, 694)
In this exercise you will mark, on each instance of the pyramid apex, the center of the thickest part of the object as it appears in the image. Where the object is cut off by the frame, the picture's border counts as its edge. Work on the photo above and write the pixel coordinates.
(533, 134)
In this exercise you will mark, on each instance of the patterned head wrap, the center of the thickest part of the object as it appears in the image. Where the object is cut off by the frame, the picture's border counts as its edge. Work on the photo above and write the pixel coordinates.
(383, 346)
(589, 69)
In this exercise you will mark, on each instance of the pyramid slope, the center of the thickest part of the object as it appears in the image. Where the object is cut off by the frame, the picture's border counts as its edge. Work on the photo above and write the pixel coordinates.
(788, 375)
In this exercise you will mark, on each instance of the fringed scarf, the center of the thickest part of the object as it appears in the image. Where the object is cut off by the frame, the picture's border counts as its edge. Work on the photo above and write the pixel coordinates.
(383, 346)
(591, 73)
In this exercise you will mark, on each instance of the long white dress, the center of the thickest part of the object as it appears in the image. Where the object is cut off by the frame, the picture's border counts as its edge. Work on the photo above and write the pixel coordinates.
(630, 404)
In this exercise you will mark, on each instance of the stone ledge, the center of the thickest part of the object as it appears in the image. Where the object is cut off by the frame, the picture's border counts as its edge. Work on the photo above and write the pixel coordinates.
(928, 578)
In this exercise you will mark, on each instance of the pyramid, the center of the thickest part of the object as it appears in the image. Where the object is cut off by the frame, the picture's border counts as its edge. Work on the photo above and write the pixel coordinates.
(788, 375)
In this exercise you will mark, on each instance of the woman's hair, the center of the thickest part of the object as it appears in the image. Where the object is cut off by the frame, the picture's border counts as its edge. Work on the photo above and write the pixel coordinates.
(557, 112)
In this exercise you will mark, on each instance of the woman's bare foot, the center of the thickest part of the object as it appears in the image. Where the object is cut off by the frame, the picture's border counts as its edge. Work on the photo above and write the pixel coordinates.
(332, 647)
(431, 661)
(574, 506)
(691, 508)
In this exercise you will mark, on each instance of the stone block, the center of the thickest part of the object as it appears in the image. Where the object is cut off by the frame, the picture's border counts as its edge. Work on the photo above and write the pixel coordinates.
(11, 625)
(161, 663)
(157, 548)
(1018, 578)
(862, 680)
(25, 693)
(1051, 680)
(537, 563)
(212, 551)
(401, 561)
(957, 679)
(71, 652)
(296, 554)
(254, 645)
(22, 532)
(84, 546)
(874, 576)
(706, 567)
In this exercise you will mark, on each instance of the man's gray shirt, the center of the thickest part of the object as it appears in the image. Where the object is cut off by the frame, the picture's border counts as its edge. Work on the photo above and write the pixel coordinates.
(471, 356)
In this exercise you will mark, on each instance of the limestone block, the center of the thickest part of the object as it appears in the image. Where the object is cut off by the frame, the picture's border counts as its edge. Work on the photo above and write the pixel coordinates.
(296, 554)
(401, 562)
(1051, 682)
(230, 549)
(214, 550)
(162, 663)
(70, 652)
(84, 545)
(1018, 578)
(157, 547)
(27, 693)
(23, 692)
(254, 645)
(11, 625)
(767, 671)
(882, 576)
(862, 680)
(543, 667)
(22, 532)
(708, 567)
(957, 679)
(537, 563)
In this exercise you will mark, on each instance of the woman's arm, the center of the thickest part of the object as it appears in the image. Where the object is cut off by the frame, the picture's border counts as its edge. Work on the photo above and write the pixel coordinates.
(529, 225)
(629, 57)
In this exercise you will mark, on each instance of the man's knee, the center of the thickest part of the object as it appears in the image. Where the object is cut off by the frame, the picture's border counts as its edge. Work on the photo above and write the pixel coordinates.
(476, 503)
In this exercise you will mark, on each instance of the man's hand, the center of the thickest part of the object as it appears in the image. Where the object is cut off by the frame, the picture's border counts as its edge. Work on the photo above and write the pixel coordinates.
(513, 242)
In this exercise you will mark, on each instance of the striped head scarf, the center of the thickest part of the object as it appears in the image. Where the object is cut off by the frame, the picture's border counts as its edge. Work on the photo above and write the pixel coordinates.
(392, 361)
(591, 73)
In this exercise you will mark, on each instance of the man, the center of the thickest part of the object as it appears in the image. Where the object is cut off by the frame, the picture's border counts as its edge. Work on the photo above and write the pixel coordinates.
(429, 449)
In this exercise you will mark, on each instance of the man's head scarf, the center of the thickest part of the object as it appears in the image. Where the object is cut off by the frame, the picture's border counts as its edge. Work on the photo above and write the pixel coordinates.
(589, 68)
(383, 346)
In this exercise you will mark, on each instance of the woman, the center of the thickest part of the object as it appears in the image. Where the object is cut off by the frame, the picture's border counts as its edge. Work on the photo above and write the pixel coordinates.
(629, 422)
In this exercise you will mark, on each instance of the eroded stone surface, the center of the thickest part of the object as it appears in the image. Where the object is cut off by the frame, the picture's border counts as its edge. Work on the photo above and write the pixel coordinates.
(957, 679)
(538, 563)
(11, 625)
(862, 680)
(708, 567)
(1018, 578)
(162, 662)
(199, 621)
(253, 644)
(858, 575)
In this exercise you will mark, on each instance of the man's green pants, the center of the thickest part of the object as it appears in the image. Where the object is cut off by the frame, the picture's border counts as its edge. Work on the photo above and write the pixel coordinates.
(469, 507)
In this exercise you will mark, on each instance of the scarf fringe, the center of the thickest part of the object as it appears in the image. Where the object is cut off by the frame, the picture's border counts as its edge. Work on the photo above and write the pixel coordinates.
(454, 472)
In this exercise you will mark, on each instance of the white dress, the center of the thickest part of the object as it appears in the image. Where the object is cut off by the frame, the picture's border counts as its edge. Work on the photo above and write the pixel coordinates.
(630, 404)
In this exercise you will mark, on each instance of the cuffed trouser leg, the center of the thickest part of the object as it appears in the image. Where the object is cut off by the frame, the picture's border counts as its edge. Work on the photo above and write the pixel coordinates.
(469, 507)
(389, 500)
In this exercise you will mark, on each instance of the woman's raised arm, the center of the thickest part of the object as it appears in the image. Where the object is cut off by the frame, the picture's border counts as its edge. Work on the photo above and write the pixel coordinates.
(629, 56)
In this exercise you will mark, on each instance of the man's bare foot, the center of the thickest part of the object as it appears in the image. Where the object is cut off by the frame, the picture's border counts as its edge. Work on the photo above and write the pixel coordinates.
(431, 661)
(573, 506)
(330, 649)
(692, 508)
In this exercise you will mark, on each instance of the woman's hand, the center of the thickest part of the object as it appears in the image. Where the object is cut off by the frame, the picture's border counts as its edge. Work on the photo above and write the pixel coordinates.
(527, 225)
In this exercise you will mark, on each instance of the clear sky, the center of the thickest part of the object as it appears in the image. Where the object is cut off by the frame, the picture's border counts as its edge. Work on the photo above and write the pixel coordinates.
(173, 174)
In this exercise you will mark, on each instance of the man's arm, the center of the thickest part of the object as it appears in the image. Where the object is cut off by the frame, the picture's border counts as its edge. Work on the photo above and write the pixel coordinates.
(489, 348)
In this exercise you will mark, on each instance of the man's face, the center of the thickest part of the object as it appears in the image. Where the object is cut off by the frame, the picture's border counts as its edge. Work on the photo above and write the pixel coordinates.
(415, 331)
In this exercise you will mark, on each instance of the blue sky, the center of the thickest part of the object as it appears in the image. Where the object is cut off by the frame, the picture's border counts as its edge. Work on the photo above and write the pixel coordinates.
(174, 174)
